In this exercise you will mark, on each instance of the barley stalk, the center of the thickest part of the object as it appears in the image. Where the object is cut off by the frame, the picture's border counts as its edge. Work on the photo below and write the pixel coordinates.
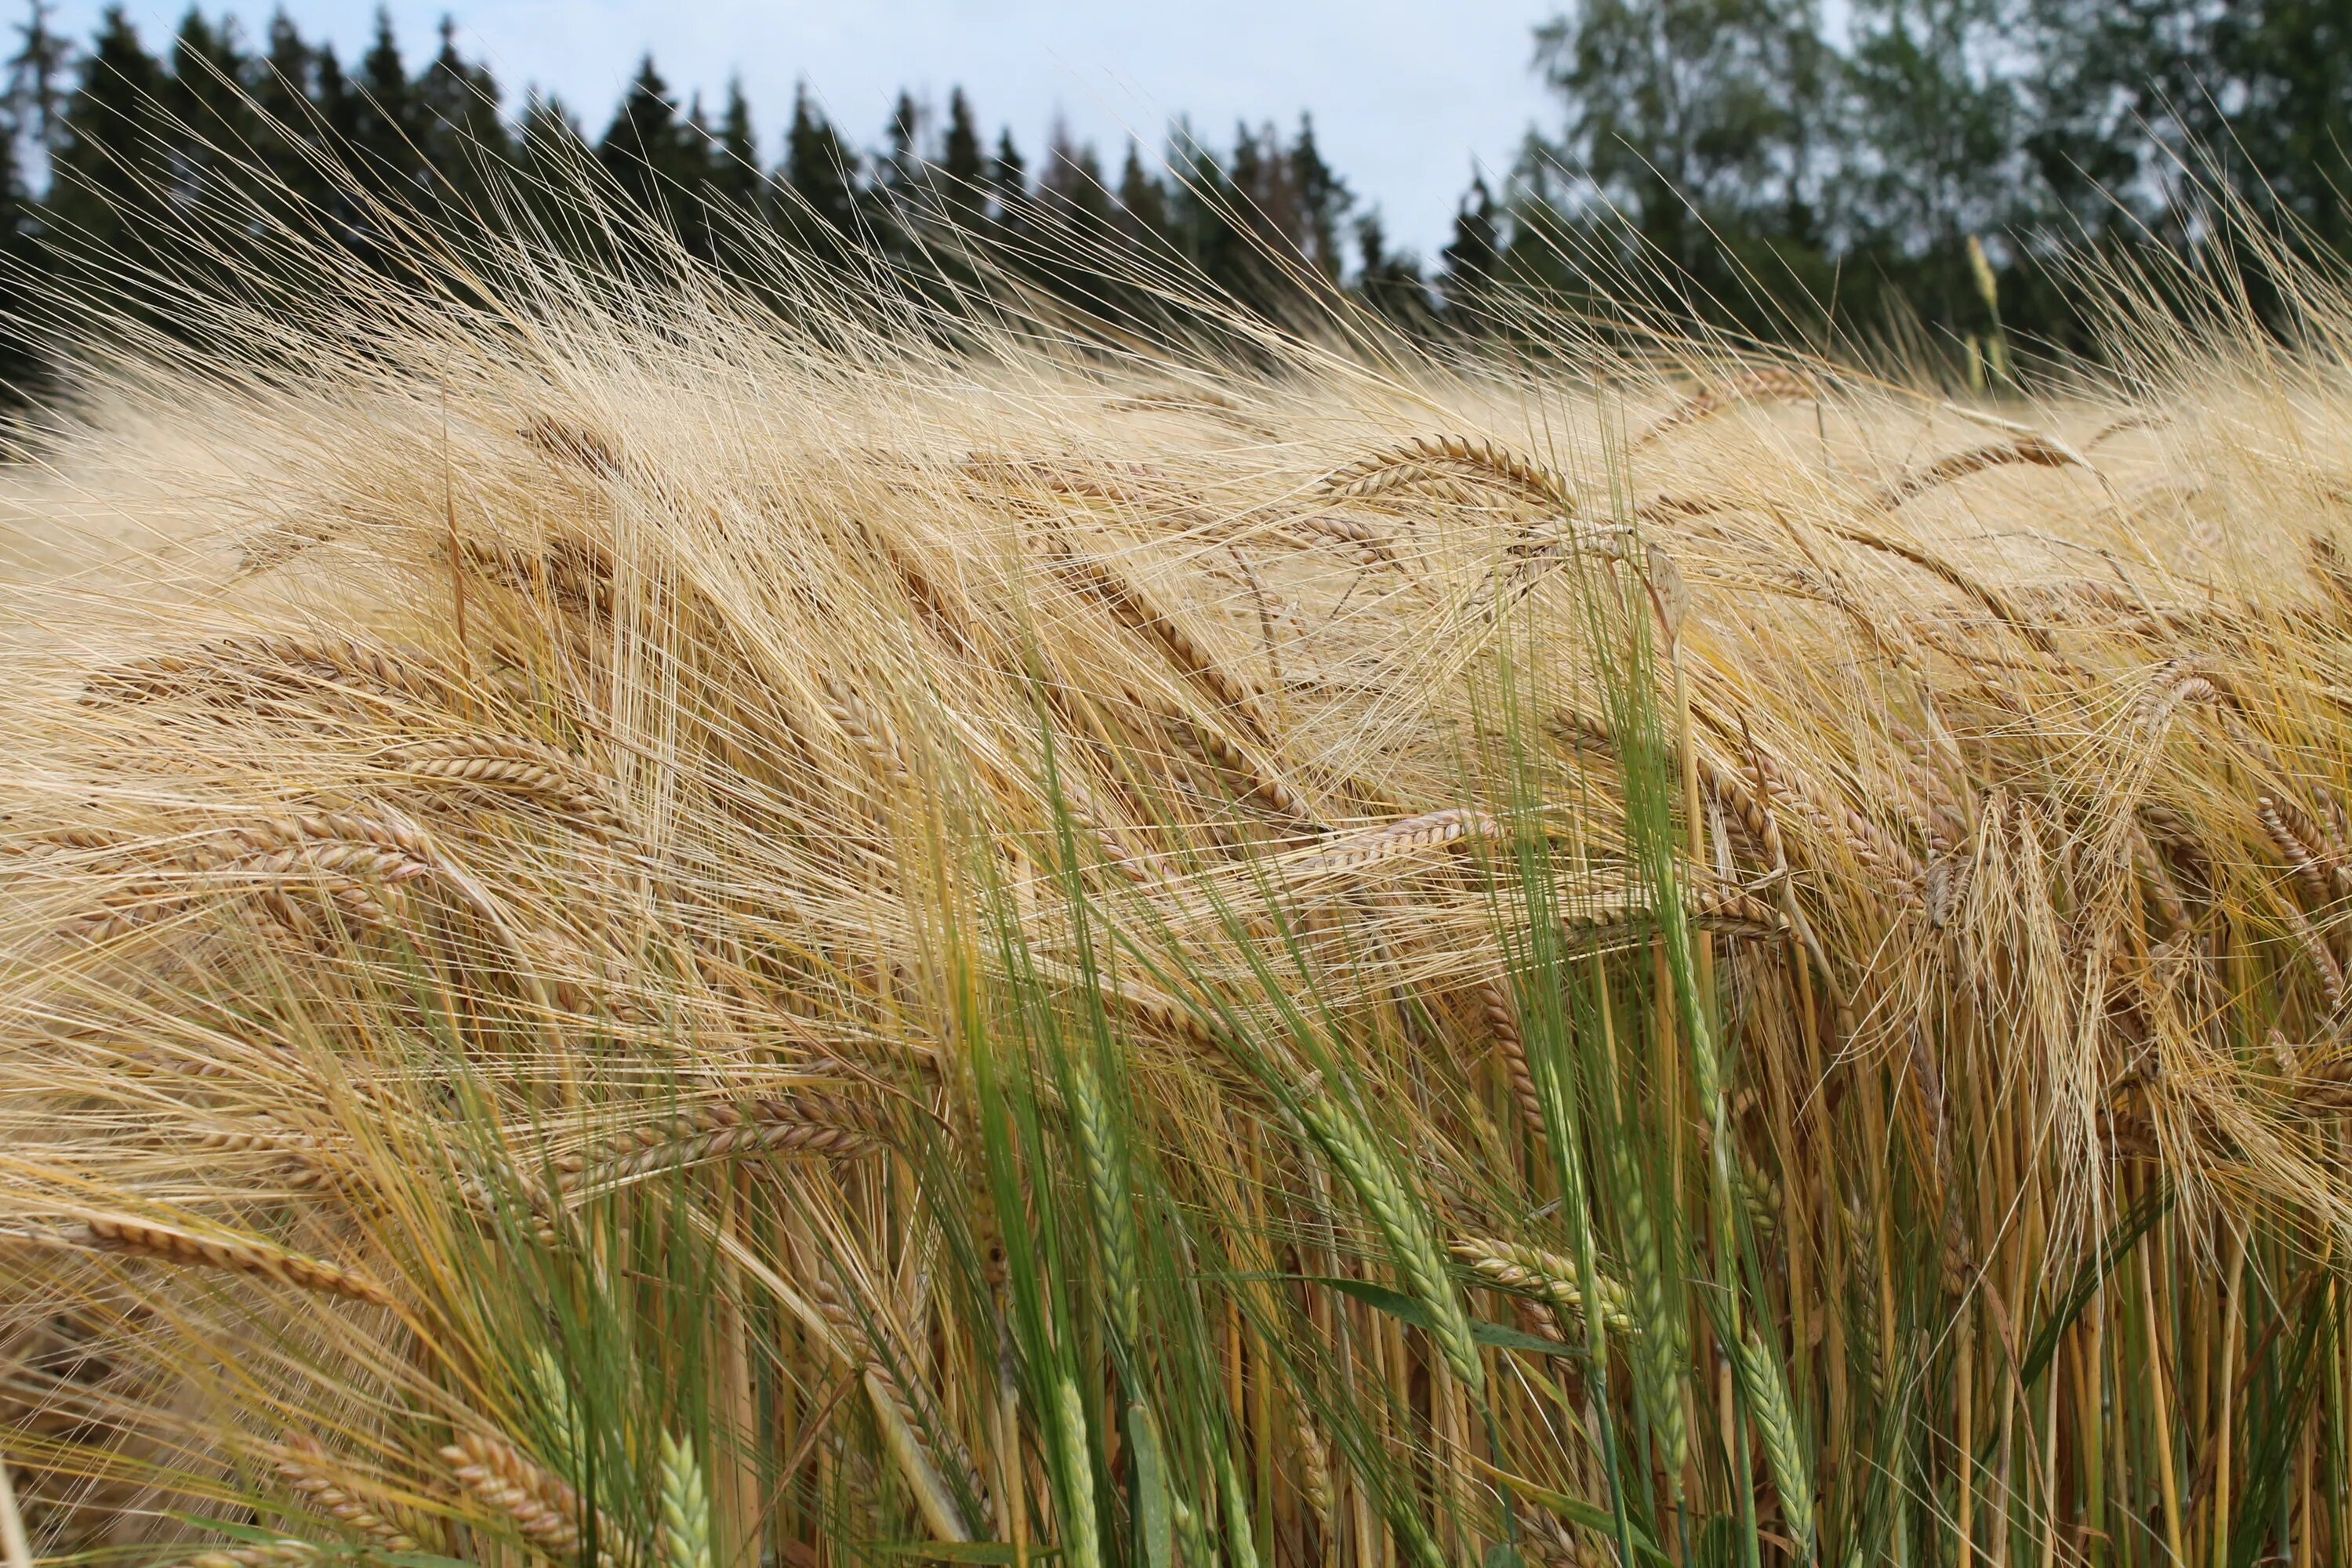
(1510, 1040)
(1772, 384)
(2032, 451)
(509, 764)
(1766, 1394)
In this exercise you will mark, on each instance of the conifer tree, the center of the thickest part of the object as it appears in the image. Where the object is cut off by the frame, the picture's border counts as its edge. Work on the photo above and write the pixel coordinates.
(962, 166)
(36, 88)
(386, 138)
(646, 149)
(285, 98)
(1008, 186)
(1471, 261)
(1142, 200)
(1318, 201)
(209, 115)
(821, 174)
(465, 140)
(735, 162)
(108, 172)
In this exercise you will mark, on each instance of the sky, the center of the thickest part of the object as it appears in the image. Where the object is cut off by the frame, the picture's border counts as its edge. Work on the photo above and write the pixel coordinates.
(1408, 99)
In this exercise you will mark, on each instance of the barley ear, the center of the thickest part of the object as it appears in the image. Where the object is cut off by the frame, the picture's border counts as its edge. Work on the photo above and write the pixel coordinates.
(1349, 1147)
(1766, 1394)
(685, 1537)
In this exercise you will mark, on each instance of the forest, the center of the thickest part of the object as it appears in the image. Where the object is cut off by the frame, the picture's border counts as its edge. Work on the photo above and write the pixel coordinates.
(1919, 178)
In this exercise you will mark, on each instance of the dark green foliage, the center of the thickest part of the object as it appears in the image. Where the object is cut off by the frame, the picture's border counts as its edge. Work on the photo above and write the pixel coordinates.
(1799, 175)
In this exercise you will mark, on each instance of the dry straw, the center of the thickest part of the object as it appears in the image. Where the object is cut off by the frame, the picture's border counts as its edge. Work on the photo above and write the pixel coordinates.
(1999, 863)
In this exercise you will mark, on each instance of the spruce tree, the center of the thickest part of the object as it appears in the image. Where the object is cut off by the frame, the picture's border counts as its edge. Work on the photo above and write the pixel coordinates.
(735, 175)
(645, 147)
(1008, 186)
(37, 87)
(1471, 261)
(285, 89)
(110, 171)
(386, 138)
(465, 139)
(210, 121)
(962, 166)
(1319, 201)
(821, 173)
(1142, 201)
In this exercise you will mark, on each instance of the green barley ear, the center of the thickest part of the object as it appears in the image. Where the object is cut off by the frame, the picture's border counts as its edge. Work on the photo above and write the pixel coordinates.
(1348, 1145)
(1081, 1532)
(559, 1409)
(1110, 1189)
(1658, 1355)
(685, 1534)
(1766, 1396)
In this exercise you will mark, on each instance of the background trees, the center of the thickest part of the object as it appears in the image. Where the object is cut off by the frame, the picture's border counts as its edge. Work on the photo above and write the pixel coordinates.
(1803, 174)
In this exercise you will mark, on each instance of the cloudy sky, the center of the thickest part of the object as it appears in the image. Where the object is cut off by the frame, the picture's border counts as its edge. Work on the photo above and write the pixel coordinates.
(1406, 99)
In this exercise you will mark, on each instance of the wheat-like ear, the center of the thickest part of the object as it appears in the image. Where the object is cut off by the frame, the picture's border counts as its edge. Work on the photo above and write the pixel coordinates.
(282, 659)
(1771, 384)
(1350, 1148)
(1503, 1023)
(236, 1254)
(550, 1515)
(808, 1125)
(1532, 1271)
(1369, 544)
(865, 725)
(1135, 610)
(1428, 831)
(1419, 461)
(1767, 1397)
(911, 1416)
(1208, 742)
(306, 1470)
(2032, 451)
(512, 765)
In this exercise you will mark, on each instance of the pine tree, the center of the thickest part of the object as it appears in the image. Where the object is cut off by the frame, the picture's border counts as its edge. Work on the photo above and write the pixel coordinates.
(386, 136)
(1471, 261)
(1142, 201)
(644, 149)
(465, 139)
(110, 171)
(821, 172)
(37, 90)
(962, 166)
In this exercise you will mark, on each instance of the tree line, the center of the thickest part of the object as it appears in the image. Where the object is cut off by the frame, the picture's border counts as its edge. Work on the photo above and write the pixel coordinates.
(1910, 170)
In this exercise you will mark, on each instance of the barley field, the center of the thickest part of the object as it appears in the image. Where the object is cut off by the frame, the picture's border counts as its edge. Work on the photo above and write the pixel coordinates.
(646, 931)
